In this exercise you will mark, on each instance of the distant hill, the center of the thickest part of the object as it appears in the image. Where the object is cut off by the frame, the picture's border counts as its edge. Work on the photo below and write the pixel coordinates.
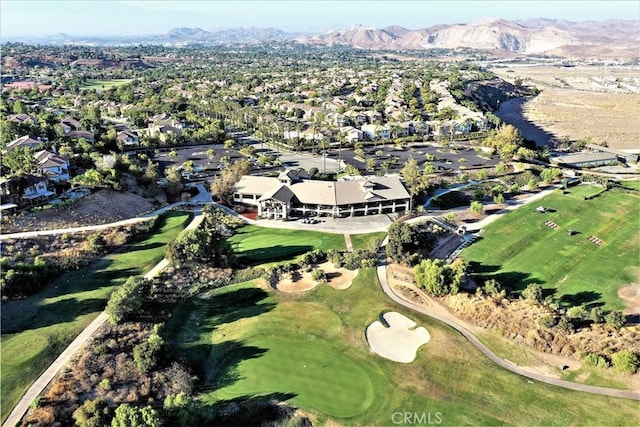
(588, 39)
(175, 36)
(610, 38)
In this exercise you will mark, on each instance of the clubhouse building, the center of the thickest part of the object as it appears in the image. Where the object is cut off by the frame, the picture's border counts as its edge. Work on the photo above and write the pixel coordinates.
(290, 195)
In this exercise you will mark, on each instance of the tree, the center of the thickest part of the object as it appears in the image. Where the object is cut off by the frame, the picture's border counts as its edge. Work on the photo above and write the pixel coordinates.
(174, 186)
(92, 413)
(410, 172)
(438, 278)
(133, 416)
(533, 292)
(370, 164)
(224, 185)
(125, 300)
(625, 361)
(615, 319)
(19, 159)
(147, 354)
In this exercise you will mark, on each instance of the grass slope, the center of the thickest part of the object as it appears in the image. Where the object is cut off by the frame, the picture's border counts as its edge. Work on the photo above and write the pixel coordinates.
(519, 249)
(36, 330)
(100, 85)
(257, 245)
(310, 349)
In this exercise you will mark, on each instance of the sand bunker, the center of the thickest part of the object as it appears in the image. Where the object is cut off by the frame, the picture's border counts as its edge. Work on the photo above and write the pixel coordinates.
(400, 341)
(337, 278)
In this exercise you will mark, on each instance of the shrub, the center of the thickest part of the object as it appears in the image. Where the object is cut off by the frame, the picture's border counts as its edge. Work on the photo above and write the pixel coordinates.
(105, 384)
(132, 416)
(578, 312)
(592, 359)
(147, 354)
(126, 300)
(565, 325)
(92, 413)
(533, 292)
(319, 275)
(615, 319)
(625, 361)
(547, 321)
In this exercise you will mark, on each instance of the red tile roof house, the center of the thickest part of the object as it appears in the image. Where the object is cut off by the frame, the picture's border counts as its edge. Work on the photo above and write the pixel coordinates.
(282, 197)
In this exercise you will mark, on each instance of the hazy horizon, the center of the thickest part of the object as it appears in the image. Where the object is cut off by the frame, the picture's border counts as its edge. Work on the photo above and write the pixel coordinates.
(130, 18)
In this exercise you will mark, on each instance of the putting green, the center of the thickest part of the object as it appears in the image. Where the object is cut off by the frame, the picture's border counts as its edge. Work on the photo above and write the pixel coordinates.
(321, 377)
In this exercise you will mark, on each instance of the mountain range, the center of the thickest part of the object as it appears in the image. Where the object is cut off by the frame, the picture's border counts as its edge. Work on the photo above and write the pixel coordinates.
(608, 38)
(597, 39)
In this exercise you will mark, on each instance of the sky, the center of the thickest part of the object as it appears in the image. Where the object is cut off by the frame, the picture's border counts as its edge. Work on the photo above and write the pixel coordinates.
(132, 17)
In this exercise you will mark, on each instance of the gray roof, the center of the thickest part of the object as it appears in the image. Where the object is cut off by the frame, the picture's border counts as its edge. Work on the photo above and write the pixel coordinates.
(258, 185)
(583, 157)
(328, 193)
(282, 193)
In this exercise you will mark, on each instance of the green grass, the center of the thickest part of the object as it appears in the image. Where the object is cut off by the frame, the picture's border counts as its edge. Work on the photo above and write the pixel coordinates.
(361, 241)
(310, 349)
(258, 245)
(519, 249)
(35, 330)
(634, 185)
(100, 85)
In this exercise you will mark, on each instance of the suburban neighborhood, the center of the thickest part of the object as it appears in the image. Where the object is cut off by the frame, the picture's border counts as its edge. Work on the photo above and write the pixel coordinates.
(251, 227)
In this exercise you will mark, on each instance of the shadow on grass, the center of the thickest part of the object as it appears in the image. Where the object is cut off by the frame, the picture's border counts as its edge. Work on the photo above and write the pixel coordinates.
(515, 281)
(249, 410)
(194, 323)
(580, 298)
(257, 256)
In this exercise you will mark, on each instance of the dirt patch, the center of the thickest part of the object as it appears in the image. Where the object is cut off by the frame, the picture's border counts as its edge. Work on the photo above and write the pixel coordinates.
(631, 296)
(337, 278)
(101, 207)
(597, 102)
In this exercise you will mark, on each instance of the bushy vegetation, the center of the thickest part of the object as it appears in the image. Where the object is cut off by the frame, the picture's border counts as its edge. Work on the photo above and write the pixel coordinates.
(127, 299)
(409, 244)
(438, 278)
(206, 244)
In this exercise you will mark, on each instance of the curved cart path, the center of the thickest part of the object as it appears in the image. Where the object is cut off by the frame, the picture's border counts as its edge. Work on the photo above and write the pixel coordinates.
(382, 278)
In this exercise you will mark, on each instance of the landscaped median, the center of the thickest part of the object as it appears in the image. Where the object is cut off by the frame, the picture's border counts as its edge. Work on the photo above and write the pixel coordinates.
(36, 329)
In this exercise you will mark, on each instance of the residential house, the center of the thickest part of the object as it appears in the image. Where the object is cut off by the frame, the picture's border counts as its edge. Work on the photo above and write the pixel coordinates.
(277, 198)
(352, 134)
(27, 141)
(53, 165)
(22, 118)
(128, 138)
(82, 134)
(376, 131)
(70, 124)
(34, 189)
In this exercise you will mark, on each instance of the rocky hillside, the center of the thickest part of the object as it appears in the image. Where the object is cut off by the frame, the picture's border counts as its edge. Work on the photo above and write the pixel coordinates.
(611, 38)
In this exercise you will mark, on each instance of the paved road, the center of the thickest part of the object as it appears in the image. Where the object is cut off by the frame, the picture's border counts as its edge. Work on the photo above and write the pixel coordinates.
(382, 277)
(39, 385)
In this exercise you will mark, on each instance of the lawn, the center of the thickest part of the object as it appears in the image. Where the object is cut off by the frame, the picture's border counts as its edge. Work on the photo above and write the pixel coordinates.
(258, 245)
(100, 85)
(361, 241)
(36, 330)
(519, 249)
(310, 350)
